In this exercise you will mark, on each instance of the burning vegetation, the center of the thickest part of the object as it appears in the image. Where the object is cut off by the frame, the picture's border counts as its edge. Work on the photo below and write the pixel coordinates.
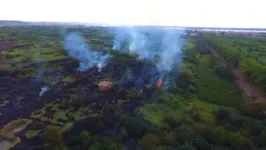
(122, 88)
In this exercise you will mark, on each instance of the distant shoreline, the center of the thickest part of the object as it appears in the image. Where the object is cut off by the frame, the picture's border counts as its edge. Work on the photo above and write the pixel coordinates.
(19, 23)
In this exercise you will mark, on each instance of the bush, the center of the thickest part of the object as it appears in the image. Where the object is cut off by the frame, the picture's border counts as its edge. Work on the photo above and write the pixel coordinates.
(240, 142)
(137, 127)
(77, 101)
(168, 140)
(186, 147)
(201, 144)
(122, 134)
(222, 113)
(52, 135)
(262, 138)
(149, 141)
(224, 72)
(236, 120)
(32, 133)
(221, 136)
(204, 130)
(134, 94)
(186, 134)
(172, 121)
(230, 127)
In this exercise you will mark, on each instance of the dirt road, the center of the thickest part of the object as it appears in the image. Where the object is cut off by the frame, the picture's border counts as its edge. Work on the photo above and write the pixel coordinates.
(251, 91)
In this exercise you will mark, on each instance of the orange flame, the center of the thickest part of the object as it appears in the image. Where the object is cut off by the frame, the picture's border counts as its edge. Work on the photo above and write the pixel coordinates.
(159, 83)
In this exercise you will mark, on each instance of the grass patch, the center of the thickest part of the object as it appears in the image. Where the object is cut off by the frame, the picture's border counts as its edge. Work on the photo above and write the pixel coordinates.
(68, 79)
(77, 116)
(206, 110)
(121, 101)
(169, 105)
(29, 55)
(40, 114)
(60, 115)
(15, 142)
(215, 90)
(67, 126)
(172, 107)
(32, 133)
(14, 127)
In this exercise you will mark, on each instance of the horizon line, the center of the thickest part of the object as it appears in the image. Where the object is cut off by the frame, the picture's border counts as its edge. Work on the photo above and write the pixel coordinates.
(121, 24)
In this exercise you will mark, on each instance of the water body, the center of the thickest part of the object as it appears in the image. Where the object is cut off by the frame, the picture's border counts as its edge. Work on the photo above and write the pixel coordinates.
(233, 30)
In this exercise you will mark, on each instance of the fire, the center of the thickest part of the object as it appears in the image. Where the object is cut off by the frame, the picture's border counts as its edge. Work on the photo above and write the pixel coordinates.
(159, 83)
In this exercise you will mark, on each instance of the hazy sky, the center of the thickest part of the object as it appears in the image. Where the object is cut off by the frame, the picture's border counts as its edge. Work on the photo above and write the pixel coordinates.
(217, 13)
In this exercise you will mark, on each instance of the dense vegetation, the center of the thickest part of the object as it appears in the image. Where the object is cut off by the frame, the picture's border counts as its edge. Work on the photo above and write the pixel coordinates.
(247, 54)
(204, 109)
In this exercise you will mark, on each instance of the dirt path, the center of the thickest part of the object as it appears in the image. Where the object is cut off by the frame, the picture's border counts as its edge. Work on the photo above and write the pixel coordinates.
(251, 91)
(248, 88)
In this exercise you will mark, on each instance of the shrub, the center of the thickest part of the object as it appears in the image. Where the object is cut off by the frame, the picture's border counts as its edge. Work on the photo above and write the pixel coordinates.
(236, 120)
(262, 138)
(168, 139)
(201, 144)
(77, 101)
(230, 127)
(221, 136)
(222, 113)
(186, 147)
(240, 142)
(137, 127)
(32, 133)
(149, 141)
(52, 135)
(122, 134)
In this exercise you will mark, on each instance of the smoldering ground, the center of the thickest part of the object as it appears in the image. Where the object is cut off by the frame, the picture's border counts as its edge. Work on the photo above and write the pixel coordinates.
(160, 47)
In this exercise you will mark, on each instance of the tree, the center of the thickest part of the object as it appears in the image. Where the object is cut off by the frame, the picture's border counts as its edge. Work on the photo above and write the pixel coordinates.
(201, 144)
(221, 136)
(137, 127)
(77, 101)
(222, 113)
(122, 134)
(239, 142)
(168, 140)
(262, 138)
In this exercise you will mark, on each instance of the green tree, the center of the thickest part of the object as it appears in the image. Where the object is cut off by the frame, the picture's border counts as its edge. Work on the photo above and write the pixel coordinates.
(122, 134)
(222, 113)
(221, 136)
(262, 138)
(240, 142)
(168, 140)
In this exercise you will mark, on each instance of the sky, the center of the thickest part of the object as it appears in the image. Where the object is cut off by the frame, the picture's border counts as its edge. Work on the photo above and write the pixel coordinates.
(203, 13)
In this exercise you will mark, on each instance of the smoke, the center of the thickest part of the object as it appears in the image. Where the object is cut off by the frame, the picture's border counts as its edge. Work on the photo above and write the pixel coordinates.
(161, 46)
(170, 50)
(76, 47)
(119, 39)
(43, 90)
